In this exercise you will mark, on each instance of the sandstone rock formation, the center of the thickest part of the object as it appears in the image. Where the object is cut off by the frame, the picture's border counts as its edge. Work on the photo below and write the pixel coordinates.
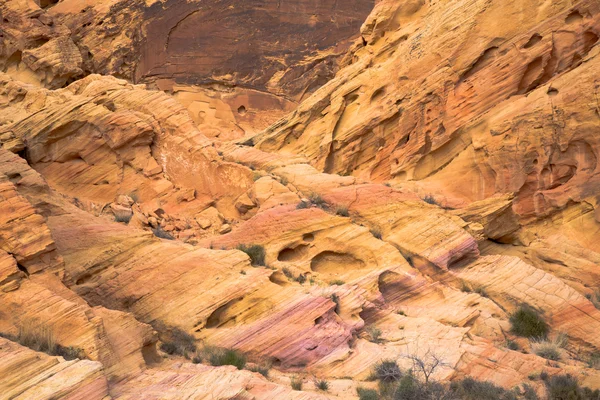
(434, 170)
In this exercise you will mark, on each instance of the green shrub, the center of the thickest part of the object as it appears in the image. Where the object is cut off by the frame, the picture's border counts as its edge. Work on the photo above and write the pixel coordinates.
(296, 383)
(594, 361)
(374, 334)
(429, 199)
(255, 252)
(342, 211)
(337, 282)
(38, 337)
(68, 353)
(301, 279)
(563, 387)
(387, 371)
(527, 323)
(322, 384)
(470, 389)
(367, 394)
(218, 356)
(197, 359)
(529, 393)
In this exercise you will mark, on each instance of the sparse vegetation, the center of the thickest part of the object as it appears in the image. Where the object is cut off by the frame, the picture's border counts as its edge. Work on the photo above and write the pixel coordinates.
(288, 273)
(178, 342)
(218, 356)
(376, 232)
(161, 233)
(322, 384)
(284, 181)
(124, 218)
(342, 211)
(302, 205)
(387, 371)
(550, 350)
(317, 200)
(480, 290)
(429, 199)
(255, 252)
(39, 337)
(471, 389)
(400, 312)
(594, 361)
(367, 394)
(336, 282)
(296, 383)
(512, 345)
(261, 368)
(526, 322)
(301, 279)
(256, 176)
(594, 298)
(336, 299)
(374, 334)
(566, 387)
(465, 287)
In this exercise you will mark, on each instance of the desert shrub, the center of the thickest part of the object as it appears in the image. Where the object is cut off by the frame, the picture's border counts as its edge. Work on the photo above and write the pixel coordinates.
(256, 176)
(465, 287)
(547, 349)
(303, 204)
(337, 282)
(594, 298)
(527, 322)
(262, 368)
(529, 393)
(322, 384)
(336, 299)
(197, 359)
(342, 211)
(563, 387)
(296, 383)
(284, 181)
(387, 371)
(121, 217)
(37, 337)
(471, 389)
(367, 394)
(374, 334)
(594, 361)
(376, 232)
(317, 200)
(255, 252)
(41, 338)
(480, 290)
(68, 352)
(159, 232)
(288, 273)
(430, 200)
(218, 357)
(177, 341)
(301, 279)
(512, 345)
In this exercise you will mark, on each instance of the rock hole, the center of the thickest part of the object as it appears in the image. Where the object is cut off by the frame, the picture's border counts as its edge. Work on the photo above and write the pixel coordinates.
(150, 354)
(47, 3)
(532, 76)
(333, 262)
(22, 269)
(484, 60)
(535, 39)
(242, 110)
(377, 94)
(552, 92)
(217, 318)
(293, 254)
(308, 237)
(574, 17)
(319, 320)
(351, 98)
(589, 40)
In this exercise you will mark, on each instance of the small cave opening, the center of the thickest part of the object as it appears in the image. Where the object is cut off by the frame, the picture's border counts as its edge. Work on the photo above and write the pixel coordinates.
(242, 110)
(47, 3)
(23, 269)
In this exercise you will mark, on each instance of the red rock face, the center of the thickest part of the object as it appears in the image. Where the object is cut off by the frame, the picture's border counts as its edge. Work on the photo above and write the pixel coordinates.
(248, 43)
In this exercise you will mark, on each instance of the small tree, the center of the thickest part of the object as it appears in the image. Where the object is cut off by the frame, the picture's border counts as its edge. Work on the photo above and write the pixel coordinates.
(425, 364)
